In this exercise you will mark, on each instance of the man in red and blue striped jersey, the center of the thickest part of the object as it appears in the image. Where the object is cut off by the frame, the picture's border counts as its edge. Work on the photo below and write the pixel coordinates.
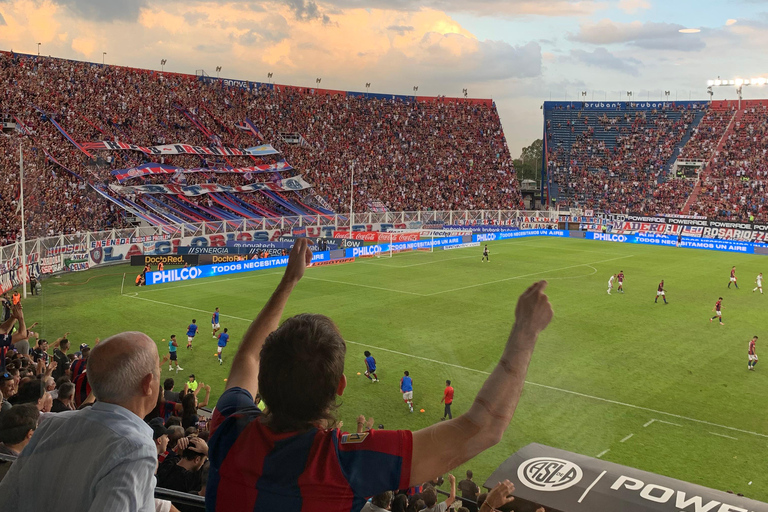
(291, 458)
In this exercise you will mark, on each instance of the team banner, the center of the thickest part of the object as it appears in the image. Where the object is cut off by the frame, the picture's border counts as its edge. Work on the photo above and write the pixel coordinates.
(153, 169)
(561, 480)
(222, 269)
(285, 185)
(181, 149)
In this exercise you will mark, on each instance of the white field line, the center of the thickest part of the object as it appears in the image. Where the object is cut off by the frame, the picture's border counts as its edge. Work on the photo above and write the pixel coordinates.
(528, 275)
(723, 435)
(364, 286)
(626, 438)
(602, 453)
(649, 423)
(414, 264)
(669, 423)
(482, 372)
(586, 491)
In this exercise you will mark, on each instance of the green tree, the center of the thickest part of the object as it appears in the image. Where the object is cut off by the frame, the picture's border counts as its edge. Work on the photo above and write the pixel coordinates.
(528, 166)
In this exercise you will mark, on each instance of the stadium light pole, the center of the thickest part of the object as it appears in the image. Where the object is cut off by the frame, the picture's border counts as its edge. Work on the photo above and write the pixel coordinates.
(23, 231)
(103, 54)
(739, 83)
(666, 93)
(367, 88)
(269, 77)
(218, 70)
(352, 199)
(38, 49)
(162, 64)
(464, 91)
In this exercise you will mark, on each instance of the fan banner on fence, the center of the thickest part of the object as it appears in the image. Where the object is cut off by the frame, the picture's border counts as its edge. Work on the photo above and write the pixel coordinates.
(286, 185)
(181, 149)
(153, 169)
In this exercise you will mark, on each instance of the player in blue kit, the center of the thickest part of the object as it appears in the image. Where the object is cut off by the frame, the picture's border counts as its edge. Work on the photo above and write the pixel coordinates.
(191, 331)
(215, 322)
(370, 367)
(406, 388)
(223, 339)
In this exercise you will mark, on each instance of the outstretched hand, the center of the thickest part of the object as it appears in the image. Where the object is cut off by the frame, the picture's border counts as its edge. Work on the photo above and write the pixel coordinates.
(533, 312)
(298, 261)
(500, 495)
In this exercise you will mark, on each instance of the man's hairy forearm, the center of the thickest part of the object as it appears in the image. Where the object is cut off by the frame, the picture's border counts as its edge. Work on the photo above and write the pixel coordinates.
(497, 400)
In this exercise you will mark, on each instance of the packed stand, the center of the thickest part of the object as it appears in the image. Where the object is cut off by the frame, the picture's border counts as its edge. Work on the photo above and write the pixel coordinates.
(707, 135)
(734, 188)
(617, 161)
(438, 155)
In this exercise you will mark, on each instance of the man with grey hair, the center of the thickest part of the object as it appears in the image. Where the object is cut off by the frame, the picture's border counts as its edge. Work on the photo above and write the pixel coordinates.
(109, 444)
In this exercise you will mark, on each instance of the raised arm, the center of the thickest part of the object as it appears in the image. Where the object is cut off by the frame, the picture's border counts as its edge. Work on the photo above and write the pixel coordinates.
(22, 333)
(245, 366)
(484, 424)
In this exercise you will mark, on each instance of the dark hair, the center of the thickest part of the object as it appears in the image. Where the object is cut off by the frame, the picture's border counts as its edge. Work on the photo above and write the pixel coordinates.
(382, 500)
(168, 384)
(429, 495)
(64, 343)
(173, 336)
(301, 365)
(16, 422)
(67, 390)
(721, 298)
(61, 381)
(469, 473)
(188, 406)
(190, 454)
(400, 503)
(367, 354)
(173, 420)
(406, 373)
(447, 383)
(29, 392)
(481, 499)
(225, 329)
(41, 341)
(416, 505)
(193, 320)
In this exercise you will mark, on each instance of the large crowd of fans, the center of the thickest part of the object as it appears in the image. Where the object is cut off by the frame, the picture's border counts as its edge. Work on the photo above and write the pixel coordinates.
(406, 155)
(734, 188)
(618, 161)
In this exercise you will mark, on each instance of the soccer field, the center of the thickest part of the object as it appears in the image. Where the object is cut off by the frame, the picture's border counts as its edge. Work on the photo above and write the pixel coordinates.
(653, 386)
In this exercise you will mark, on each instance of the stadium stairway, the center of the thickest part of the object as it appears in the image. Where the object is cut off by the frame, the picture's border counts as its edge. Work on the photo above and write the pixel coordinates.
(737, 115)
(688, 134)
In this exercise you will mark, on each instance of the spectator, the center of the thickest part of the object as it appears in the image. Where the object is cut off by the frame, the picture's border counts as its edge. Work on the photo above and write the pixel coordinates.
(379, 503)
(298, 369)
(66, 399)
(416, 505)
(168, 392)
(79, 365)
(469, 491)
(430, 497)
(16, 428)
(190, 405)
(183, 475)
(400, 503)
(41, 351)
(61, 358)
(7, 338)
(192, 383)
(116, 465)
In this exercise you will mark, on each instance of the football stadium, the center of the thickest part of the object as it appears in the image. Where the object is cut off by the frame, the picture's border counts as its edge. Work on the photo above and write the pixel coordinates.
(227, 294)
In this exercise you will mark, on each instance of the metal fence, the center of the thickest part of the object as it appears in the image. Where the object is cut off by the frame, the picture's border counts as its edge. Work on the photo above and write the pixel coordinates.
(41, 246)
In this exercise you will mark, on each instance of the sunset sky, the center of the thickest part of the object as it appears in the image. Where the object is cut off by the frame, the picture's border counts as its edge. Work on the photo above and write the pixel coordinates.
(518, 52)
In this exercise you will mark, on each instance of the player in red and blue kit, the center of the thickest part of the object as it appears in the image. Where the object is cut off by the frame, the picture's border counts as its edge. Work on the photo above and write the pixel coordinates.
(752, 353)
(191, 332)
(215, 326)
(661, 292)
(733, 278)
(223, 339)
(620, 278)
(370, 367)
(718, 311)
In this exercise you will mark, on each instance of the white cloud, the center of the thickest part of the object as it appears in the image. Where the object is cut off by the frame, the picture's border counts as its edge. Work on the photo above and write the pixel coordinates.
(649, 36)
(602, 58)
(632, 6)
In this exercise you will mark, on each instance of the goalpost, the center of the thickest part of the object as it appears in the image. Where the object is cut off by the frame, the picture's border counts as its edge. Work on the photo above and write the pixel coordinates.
(402, 241)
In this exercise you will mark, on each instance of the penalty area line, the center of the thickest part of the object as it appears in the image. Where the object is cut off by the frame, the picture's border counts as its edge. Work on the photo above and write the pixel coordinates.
(535, 384)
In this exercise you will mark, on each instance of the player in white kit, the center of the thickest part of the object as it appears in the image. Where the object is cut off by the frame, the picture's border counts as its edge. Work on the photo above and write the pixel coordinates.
(610, 283)
(759, 283)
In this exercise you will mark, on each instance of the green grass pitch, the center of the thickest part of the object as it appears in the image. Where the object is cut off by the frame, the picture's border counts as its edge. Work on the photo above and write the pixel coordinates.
(647, 385)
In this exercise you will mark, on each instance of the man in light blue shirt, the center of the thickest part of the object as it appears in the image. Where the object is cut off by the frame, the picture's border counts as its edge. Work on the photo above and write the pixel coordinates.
(107, 447)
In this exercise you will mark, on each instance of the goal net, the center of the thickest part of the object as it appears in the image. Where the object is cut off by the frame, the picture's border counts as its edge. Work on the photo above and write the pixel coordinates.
(402, 241)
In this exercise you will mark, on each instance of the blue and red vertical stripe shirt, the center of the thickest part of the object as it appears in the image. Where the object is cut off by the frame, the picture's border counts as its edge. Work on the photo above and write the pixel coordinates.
(255, 469)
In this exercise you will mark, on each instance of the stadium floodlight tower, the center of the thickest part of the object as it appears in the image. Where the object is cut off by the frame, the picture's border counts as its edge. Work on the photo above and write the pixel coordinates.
(738, 83)
(162, 64)
(38, 49)
(218, 70)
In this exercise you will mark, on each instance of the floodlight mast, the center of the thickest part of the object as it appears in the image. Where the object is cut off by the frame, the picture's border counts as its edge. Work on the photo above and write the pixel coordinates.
(738, 83)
